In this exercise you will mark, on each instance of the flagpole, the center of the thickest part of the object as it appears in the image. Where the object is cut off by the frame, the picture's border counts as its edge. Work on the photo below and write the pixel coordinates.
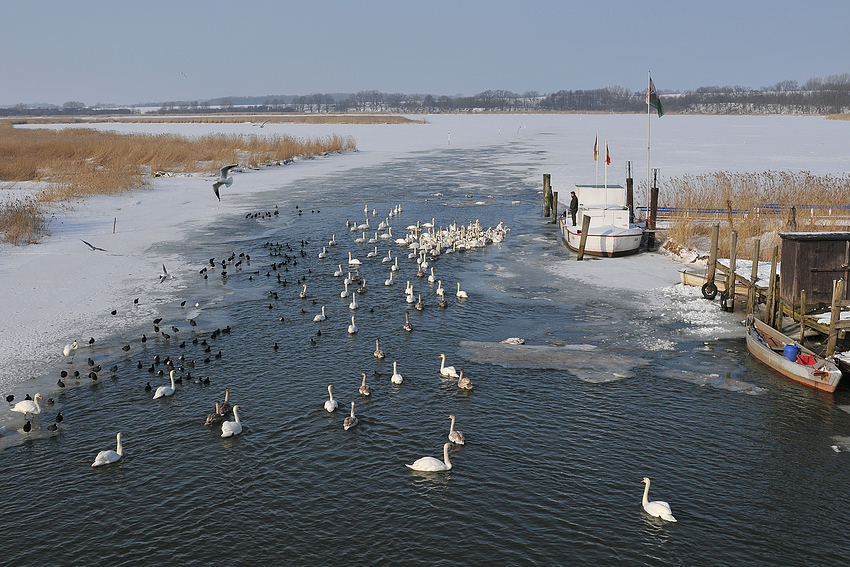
(648, 122)
(606, 174)
(596, 158)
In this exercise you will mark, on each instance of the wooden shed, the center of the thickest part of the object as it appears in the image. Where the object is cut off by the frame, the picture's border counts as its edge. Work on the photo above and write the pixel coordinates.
(811, 261)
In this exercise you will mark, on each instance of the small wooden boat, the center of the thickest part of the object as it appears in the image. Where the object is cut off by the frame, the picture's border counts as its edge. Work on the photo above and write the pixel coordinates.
(773, 349)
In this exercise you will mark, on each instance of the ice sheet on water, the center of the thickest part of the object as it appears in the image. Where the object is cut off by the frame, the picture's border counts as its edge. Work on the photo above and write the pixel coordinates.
(587, 362)
(724, 382)
(840, 444)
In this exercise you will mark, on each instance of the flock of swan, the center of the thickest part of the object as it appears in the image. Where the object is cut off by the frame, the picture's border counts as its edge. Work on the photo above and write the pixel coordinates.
(425, 243)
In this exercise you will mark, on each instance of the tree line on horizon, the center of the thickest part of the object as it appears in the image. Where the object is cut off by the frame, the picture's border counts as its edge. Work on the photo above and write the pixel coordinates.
(817, 96)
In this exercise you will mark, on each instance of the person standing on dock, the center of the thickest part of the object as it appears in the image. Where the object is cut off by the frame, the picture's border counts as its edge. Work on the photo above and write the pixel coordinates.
(573, 206)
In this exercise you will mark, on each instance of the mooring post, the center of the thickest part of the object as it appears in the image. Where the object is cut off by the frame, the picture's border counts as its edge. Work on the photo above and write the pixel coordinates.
(554, 207)
(802, 314)
(630, 192)
(730, 275)
(114, 224)
(835, 315)
(712, 255)
(771, 290)
(585, 226)
(653, 210)
(546, 189)
(752, 295)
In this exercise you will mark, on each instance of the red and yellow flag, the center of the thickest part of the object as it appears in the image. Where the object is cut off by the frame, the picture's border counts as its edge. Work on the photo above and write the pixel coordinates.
(607, 155)
(595, 148)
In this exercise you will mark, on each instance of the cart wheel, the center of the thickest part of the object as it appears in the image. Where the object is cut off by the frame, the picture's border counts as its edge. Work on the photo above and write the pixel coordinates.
(709, 290)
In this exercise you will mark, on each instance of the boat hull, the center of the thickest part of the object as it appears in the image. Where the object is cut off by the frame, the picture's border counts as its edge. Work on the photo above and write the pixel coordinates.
(823, 375)
(605, 240)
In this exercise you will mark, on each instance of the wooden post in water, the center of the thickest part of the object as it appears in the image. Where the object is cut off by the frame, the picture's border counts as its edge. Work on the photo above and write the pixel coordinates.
(630, 192)
(546, 189)
(554, 207)
(770, 308)
(114, 224)
(585, 226)
(653, 210)
(712, 256)
(802, 315)
(752, 295)
(835, 315)
(730, 275)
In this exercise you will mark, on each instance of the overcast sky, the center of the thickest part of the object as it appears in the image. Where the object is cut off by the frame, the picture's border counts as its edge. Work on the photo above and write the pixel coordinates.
(129, 52)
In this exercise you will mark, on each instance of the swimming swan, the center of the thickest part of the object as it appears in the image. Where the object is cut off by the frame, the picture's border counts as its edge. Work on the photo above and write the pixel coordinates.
(330, 404)
(351, 420)
(455, 436)
(231, 428)
(657, 508)
(448, 371)
(165, 390)
(430, 464)
(110, 456)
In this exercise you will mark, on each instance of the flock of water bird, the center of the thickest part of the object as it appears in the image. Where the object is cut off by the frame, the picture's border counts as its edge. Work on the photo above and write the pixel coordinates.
(424, 243)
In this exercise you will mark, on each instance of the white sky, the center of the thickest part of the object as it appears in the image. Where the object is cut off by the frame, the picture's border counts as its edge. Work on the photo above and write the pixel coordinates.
(129, 52)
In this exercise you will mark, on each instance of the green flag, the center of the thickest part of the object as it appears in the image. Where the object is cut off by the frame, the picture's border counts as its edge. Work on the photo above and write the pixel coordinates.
(654, 101)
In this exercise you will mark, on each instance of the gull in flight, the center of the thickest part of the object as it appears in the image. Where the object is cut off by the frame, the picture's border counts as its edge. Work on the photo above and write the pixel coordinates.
(92, 246)
(164, 275)
(223, 179)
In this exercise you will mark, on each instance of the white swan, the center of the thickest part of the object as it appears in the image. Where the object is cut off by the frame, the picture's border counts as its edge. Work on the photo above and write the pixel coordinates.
(348, 279)
(431, 278)
(110, 456)
(455, 436)
(353, 305)
(332, 241)
(409, 289)
(339, 272)
(394, 267)
(231, 428)
(70, 350)
(303, 294)
(448, 371)
(365, 389)
(389, 258)
(28, 406)
(396, 377)
(378, 352)
(351, 420)
(353, 261)
(330, 404)
(440, 291)
(657, 508)
(430, 464)
(372, 254)
(389, 281)
(460, 293)
(323, 253)
(320, 316)
(344, 293)
(165, 390)
(352, 328)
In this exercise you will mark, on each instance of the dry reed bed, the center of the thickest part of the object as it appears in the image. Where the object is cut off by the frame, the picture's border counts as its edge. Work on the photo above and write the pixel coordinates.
(737, 202)
(75, 163)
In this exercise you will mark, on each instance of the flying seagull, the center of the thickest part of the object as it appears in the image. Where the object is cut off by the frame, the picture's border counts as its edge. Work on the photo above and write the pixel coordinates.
(184, 74)
(92, 246)
(223, 179)
(164, 275)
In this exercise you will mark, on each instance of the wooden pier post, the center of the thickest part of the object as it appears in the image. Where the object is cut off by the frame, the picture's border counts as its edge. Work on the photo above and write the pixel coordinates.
(653, 210)
(630, 192)
(728, 301)
(802, 315)
(770, 308)
(752, 295)
(546, 195)
(709, 288)
(585, 226)
(554, 207)
(835, 315)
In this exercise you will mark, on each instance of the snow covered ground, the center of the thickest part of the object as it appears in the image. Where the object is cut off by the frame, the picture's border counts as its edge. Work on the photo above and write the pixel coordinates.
(60, 289)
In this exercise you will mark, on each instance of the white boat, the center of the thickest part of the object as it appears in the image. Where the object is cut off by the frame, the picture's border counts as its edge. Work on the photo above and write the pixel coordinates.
(772, 348)
(610, 232)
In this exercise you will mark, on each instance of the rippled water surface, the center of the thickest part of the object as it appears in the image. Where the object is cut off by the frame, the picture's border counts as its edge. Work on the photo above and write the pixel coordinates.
(616, 386)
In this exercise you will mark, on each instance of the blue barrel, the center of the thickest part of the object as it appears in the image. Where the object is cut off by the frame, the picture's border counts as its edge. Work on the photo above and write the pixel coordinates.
(790, 352)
